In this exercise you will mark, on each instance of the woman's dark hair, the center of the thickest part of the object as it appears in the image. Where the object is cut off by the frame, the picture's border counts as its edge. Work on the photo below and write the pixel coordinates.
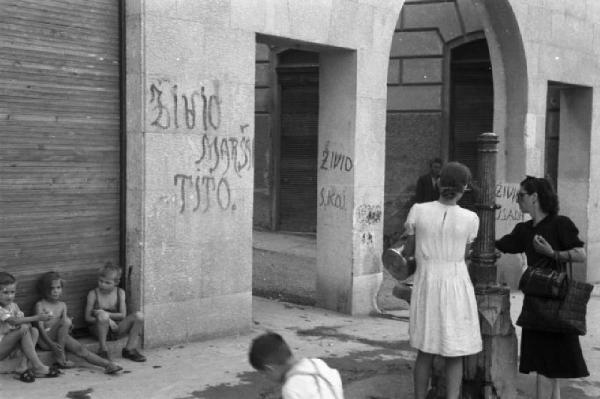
(545, 192)
(454, 177)
(268, 349)
(45, 282)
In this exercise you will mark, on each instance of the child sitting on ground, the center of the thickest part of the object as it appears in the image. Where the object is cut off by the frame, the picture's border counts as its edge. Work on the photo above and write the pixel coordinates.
(300, 378)
(106, 313)
(16, 332)
(54, 334)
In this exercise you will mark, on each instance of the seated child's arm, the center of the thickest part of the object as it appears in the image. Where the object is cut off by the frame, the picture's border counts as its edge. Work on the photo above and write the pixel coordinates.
(122, 307)
(41, 325)
(20, 319)
(89, 307)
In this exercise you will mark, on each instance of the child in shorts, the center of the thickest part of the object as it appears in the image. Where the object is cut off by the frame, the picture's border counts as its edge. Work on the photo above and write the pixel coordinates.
(106, 313)
(54, 333)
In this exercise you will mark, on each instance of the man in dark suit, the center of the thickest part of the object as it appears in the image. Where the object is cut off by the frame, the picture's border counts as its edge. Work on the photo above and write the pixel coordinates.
(427, 185)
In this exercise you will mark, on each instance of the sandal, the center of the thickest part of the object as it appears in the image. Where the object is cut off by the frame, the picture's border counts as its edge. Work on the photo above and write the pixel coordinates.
(27, 376)
(63, 366)
(53, 372)
(112, 368)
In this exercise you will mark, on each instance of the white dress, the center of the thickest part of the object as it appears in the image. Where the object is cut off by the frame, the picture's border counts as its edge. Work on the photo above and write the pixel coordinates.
(443, 309)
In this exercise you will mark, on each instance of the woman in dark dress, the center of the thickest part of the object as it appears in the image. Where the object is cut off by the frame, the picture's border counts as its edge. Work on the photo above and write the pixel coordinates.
(547, 234)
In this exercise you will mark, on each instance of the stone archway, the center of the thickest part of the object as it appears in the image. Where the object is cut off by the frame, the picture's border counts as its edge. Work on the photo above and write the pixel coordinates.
(509, 68)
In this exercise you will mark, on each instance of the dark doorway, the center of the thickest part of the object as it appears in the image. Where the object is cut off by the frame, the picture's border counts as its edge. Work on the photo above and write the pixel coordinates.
(471, 100)
(298, 75)
(552, 133)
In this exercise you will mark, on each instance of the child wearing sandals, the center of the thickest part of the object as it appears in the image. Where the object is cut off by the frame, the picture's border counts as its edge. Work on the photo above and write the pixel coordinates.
(16, 332)
(54, 333)
(300, 378)
(106, 313)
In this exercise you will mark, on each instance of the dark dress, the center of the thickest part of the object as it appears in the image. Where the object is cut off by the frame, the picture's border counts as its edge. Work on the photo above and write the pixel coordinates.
(553, 355)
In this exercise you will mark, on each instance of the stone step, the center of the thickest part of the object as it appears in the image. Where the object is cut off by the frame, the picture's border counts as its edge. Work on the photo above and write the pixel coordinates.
(114, 348)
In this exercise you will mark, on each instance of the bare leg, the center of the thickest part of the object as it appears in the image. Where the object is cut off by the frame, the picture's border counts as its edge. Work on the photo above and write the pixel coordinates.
(28, 348)
(62, 333)
(555, 388)
(24, 362)
(102, 326)
(422, 374)
(10, 342)
(454, 371)
(74, 346)
(542, 388)
(132, 325)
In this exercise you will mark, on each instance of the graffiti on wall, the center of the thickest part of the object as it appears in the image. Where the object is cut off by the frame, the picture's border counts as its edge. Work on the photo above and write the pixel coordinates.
(172, 107)
(333, 160)
(332, 197)
(221, 159)
(367, 216)
(506, 197)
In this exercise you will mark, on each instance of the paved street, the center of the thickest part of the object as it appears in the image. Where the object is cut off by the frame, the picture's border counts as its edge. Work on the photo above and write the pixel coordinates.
(372, 354)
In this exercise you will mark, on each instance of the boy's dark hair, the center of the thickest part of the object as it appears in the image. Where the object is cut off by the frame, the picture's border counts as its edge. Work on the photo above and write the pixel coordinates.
(110, 268)
(454, 177)
(44, 283)
(545, 193)
(436, 160)
(7, 279)
(269, 348)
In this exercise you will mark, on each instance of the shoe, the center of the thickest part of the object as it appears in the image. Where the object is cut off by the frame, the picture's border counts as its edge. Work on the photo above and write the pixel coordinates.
(53, 372)
(133, 355)
(27, 376)
(112, 368)
(103, 354)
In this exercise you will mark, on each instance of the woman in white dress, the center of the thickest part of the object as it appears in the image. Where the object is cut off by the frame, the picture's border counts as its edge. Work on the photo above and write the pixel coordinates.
(443, 309)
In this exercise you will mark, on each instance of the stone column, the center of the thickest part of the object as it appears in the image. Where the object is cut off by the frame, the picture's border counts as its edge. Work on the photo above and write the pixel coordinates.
(492, 372)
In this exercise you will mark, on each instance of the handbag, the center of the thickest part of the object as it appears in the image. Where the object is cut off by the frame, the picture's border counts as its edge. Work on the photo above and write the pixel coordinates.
(566, 315)
(544, 279)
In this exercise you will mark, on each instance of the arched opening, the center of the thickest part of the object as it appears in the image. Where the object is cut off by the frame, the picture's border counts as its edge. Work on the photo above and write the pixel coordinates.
(471, 100)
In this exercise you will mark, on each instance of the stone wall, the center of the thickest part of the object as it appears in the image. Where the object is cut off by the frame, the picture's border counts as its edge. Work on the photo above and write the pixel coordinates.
(561, 44)
(263, 122)
(190, 104)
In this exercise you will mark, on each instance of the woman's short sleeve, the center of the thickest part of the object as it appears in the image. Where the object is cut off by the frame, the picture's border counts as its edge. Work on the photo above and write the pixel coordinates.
(568, 234)
(411, 221)
(474, 230)
(514, 242)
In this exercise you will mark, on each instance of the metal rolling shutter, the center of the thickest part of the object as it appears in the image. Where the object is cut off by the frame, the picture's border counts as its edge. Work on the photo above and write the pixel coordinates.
(59, 143)
(299, 148)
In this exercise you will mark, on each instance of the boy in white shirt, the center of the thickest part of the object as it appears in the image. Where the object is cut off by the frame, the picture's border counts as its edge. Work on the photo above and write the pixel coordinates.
(300, 378)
